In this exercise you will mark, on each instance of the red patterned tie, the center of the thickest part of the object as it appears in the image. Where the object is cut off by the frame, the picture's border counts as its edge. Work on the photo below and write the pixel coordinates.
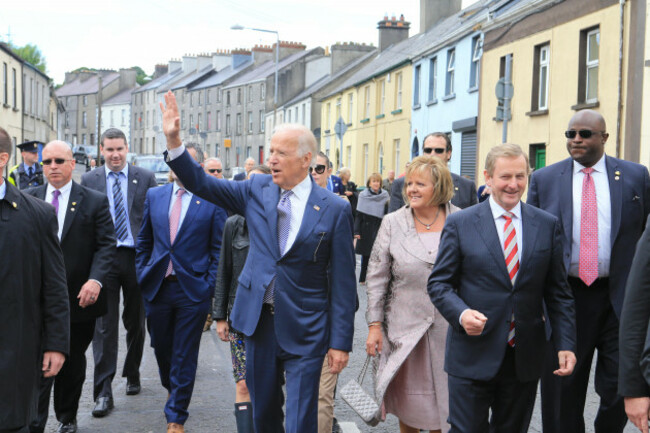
(588, 265)
(174, 219)
(511, 253)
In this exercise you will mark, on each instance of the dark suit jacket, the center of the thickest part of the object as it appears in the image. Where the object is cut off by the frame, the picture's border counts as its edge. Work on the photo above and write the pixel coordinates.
(195, 252)
(88, 245)
(629, 186)
(470, 272)
(34, 313)
(464, 193)
(337, 185)
(140, 180)
(309, 317)
(240, 176)
(633, 330)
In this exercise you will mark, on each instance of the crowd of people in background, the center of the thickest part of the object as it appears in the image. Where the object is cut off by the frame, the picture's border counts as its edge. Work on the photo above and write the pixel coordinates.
(472, 296)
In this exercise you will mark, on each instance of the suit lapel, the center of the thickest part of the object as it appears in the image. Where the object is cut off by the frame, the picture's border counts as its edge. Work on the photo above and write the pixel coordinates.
(271, 194)
(196, 204)
(615, 194)
(487, 230)
(101, 179)
(317, 204)
(529, 226)
(411, 240)
(40, 192)
(76, 197)
(134, 177)
(566, 199)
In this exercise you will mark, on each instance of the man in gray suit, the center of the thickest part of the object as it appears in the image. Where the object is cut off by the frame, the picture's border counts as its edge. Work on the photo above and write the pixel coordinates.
(438, 144)
(126, 188)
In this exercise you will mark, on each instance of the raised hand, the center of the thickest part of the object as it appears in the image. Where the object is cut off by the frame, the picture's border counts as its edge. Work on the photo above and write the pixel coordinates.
(171, 120)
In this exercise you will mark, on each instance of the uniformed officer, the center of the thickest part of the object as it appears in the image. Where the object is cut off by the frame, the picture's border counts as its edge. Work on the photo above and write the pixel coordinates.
(28, 173)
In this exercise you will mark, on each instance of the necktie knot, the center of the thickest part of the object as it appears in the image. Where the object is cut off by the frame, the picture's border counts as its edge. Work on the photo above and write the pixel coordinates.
(588, 170)
(180, 192)
(30, 171)
(508, 216)
(56, 193)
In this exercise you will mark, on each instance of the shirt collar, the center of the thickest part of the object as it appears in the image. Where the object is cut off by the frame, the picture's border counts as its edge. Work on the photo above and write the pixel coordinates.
(176, 187)
(498, 211)
(599, 167)
(303, 189)
(3, 189)
(125, 170)
(27, 166)
(65, 189)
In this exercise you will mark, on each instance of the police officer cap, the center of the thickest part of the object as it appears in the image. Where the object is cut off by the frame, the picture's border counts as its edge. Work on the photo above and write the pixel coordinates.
(29, 146)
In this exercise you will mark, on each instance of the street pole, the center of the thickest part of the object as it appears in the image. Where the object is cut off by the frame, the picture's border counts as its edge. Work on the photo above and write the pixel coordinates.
(506, 98)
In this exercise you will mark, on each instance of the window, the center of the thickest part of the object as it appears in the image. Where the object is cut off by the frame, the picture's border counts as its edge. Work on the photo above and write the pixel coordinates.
(365, 161)
(227, 124)
(5, 74)
(218, 99)
(348, 149)
(451, 64)
(192, 122)
(250, 93)
(262, 91)
(475, 68)
(350, 108)
(367, 102)
(338, 110)
(262, 121)
(398, 97)
(328, 111)
(198, 94)
(295, 112)
(250, 122)
(592, 60)
(540, 78)
(433, 79)
(112, 118)
(84, 120)
(15, 88)
(239, 95)
(381, 97)
(304, 113)
(200, 122)
(218, 120)
(182, 119)
(416, 87)
(238, 123)
(380, 159)
(396, 162)
(123, 117)
(209, 121)
(228, 98)
(289, 116)
(83, 139)
(207, 96)
(85, 100)
(191, 99)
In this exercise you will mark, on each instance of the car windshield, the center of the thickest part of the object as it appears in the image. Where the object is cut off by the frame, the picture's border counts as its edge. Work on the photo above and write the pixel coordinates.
(153, 164)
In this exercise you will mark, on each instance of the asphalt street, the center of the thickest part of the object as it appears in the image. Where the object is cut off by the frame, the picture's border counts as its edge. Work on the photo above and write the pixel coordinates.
(212, 405)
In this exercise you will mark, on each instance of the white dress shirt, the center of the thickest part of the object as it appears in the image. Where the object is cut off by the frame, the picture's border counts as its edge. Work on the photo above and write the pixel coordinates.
(601, 185)
(3, 189)
(64, 198)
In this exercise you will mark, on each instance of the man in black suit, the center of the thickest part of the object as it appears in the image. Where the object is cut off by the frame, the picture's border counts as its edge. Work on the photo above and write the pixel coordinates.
(633, 334)
(603, 204)
(438, 144)
(87, 239)
(248, 166)
(126, 188)
(34, 314)
(498, 264)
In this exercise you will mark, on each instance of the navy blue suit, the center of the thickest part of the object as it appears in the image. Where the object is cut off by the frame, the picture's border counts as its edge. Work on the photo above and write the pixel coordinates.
(470, 272)
(309, 318)
(176, 308)
(598, 306)
(337, 185)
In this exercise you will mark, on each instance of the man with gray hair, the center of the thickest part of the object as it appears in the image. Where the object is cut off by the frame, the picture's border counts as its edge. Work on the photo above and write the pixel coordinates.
(214, 167)
(248, 166)
(494, 302)
(296, 297)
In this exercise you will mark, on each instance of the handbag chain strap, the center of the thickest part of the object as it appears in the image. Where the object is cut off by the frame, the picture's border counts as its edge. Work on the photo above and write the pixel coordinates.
(363, 370)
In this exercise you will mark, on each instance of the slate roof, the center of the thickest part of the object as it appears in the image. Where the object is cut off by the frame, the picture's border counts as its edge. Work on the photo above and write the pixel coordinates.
(191, 77)
(87, 86)
(163, 79)
(219, 77)
(124, 97)
(267, 69)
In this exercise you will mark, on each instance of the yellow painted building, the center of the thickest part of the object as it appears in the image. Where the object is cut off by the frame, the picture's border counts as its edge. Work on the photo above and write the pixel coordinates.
(11, 105)
(378, 114)
(564, 59)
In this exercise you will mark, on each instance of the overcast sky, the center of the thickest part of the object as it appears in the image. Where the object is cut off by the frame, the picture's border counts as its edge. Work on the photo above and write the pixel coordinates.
(124, 33)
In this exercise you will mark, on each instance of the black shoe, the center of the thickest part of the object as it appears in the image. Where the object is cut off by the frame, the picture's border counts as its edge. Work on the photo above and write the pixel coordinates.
(336, 428)
(103, 406)
(70, 427)
(133, 387)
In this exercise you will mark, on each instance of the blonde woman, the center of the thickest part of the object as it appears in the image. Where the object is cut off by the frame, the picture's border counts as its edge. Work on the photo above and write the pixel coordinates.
(405, 330)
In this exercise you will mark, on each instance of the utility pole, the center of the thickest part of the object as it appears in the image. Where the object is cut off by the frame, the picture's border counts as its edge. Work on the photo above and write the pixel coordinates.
(99, 117)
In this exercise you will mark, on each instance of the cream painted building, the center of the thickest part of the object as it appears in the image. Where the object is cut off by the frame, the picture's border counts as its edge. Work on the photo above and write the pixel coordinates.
(565, 58)
(11, 106)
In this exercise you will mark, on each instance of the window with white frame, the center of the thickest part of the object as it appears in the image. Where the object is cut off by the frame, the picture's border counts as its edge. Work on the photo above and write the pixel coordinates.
(592, 60)
(338, 109)
(366, 157)
(416, 86)
(451, 68)
(542, 97)
(250, 122)
(398, 98)
(382, 96)
(433, 79)
(475, 67)
(366, 92)
(396, 144)
(350, 107)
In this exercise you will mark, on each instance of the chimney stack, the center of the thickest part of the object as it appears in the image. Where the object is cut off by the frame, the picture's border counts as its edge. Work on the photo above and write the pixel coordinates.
(392, 31)
(433, 11)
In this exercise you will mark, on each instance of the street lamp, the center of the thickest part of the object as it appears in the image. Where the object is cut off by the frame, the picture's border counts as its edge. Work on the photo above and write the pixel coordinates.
(277, 60)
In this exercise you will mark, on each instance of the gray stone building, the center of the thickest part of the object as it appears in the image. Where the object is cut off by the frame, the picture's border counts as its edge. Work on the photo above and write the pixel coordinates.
(116, 113)
(82, 92)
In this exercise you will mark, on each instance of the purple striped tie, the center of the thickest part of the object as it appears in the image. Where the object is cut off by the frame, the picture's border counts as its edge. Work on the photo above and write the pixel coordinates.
(55, 201)
(284, 226)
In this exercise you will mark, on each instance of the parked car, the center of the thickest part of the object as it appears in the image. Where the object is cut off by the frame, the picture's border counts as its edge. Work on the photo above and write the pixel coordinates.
(155, 163)
(84, 153)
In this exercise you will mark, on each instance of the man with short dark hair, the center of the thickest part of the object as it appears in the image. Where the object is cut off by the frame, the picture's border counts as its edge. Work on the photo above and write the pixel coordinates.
(28, 173)
(603, 203)
(87, 239)
(125, 186)
(438, 144)
(34, 311)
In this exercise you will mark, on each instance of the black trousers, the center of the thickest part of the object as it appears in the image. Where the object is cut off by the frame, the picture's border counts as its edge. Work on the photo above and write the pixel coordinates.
(68, 384)
(364, 268)
(510, 400)
(107, 328)
(563, 398)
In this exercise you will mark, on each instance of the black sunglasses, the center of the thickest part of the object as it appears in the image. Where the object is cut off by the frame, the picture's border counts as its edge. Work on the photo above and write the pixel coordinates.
(584, 133)
(58, 161)
(320, 169)
(438, 150)
(212, 170)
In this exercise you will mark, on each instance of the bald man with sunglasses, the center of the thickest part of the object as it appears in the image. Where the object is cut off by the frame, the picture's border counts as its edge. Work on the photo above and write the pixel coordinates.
(603, 203)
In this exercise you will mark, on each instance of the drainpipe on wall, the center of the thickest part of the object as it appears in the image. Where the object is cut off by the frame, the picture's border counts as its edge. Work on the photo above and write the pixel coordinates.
(619, 107)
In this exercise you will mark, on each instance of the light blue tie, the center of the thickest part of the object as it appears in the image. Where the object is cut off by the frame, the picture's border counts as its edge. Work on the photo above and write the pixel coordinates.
(284, 226)
(118, 205)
